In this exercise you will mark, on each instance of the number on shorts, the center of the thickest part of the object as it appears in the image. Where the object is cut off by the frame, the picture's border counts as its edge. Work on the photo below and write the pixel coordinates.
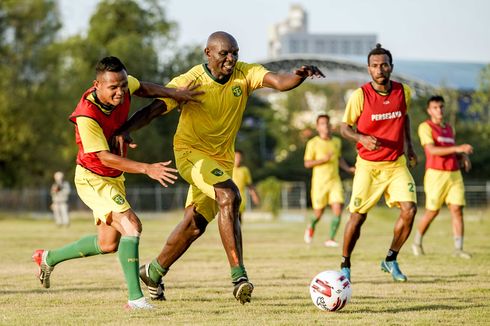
(411, 187)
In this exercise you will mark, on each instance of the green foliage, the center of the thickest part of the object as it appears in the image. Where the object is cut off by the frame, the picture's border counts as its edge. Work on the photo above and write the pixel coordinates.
(270, 193)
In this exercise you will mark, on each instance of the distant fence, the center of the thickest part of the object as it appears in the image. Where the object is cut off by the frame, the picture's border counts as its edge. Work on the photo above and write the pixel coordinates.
(294, 195)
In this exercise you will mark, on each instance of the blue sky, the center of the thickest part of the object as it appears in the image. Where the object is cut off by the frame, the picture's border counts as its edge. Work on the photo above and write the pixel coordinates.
(435, 30)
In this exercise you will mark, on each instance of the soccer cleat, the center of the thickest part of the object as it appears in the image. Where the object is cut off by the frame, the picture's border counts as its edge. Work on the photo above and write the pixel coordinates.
(345, 271)
(331, 244)
(157, 290)
(243, 290)
(392, 268)
(140, 303)
(308, 237)
(39, 257)
(461, 254)
(417, 249)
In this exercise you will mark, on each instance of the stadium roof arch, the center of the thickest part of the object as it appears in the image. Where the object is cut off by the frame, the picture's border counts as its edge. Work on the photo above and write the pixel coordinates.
(339, 70)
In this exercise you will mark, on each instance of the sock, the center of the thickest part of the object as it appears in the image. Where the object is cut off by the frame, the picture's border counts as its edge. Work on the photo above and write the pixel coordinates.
(314, 222)
(156, 271)
(334, 226)
(238, 272)
(418, 238)
(345, 262)
(458, 243)
(84, 247)
(129, 257)
(391, 255)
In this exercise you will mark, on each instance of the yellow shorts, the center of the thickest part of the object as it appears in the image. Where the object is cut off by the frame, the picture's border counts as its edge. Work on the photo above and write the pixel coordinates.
(443, 186)
(373, 179)
(327, 193)
(102, 195)
(202, 173)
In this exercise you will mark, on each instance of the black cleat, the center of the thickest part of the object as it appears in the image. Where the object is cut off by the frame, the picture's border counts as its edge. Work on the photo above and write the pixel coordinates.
(156, 289)
(243, 291)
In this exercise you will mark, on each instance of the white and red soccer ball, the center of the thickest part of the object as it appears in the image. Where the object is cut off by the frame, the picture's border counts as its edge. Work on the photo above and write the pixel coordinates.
(330, 291)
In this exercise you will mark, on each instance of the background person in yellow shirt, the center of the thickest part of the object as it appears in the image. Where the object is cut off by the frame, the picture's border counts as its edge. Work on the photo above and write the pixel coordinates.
(323, 155)
(443, 182)
(243, 180)
(204, 154)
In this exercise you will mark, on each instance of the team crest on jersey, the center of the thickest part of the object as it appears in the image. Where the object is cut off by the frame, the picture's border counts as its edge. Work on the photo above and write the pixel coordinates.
(357, 201)
(118, 199)
(217, 172)
(237, 90)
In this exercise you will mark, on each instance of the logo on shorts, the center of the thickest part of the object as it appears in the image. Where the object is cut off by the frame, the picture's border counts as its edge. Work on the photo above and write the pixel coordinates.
(217, 172)
(357, 201)
(237, 90)
(118, 199)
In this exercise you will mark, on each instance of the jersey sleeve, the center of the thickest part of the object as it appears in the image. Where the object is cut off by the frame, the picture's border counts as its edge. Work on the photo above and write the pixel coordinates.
(353, 108)
(255, 75)
(425, 134)
(133, 84)
(91, 135)
(177, 82)
(408, 95)
(309, 151)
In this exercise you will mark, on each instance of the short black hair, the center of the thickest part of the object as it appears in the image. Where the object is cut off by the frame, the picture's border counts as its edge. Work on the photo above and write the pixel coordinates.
(239, 152)
(323, 116)
(435, 98)
(109, 64)
(379, 50)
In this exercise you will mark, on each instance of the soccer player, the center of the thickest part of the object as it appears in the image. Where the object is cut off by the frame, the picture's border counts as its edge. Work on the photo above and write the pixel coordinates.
(204, 154)
(443, 181)
(60, 192)
(379, 111)
(323, 155)
(99, 177)
(243, 180)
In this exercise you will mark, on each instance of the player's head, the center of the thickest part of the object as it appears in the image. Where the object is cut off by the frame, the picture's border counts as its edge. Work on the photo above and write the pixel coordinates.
(222, 54)
(380, 65)
(58, 176)
(435, 108)
(111, 83)
(323, 125)
(238, 157)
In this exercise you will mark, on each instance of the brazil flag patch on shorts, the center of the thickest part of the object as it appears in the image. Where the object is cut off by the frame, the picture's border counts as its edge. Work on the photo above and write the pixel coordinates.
(217, 172)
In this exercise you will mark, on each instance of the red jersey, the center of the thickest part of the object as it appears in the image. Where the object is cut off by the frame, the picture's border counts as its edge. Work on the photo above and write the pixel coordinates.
(384, 118)
(109, 123)
(443, 136)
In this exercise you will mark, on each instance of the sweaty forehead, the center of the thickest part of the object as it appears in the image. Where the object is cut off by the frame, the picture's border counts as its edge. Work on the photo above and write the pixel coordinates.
(223, 42)
(113, 77)
(379, 58)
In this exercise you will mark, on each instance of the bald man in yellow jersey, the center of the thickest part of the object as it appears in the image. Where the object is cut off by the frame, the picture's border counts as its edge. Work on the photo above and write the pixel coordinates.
(379, 112)
(204, 154)
(99, 179)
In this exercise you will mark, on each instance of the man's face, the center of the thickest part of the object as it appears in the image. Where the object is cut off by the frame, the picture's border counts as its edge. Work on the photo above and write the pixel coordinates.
(111, 87)
(436, 111)
(222, 56)
(380, 69)
(323, 127)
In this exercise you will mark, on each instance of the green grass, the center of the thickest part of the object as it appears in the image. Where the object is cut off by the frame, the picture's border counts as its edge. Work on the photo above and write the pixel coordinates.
(91, 291)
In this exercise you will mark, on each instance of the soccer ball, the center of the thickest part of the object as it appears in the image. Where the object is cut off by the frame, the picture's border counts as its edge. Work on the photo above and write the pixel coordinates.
(330, 291)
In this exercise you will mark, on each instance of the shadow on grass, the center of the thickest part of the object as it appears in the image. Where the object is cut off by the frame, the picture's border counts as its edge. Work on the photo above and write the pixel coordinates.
(60, 290)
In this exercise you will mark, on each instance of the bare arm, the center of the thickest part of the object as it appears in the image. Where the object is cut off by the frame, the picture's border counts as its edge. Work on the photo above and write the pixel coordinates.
(412, 157)
(369, 142)
(254, 195)
(288, 81)
(442, 151)
(312, 163)
(183, 94)
(157, 171)
(346, 167)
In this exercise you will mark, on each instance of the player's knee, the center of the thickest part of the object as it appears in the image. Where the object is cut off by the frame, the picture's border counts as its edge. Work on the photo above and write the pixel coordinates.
(228, 197)
(409, 210)
(108, 247)
(199, 224)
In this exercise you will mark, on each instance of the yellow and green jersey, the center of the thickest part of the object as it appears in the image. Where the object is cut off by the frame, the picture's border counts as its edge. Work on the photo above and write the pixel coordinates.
(316, 149)
(212, 125)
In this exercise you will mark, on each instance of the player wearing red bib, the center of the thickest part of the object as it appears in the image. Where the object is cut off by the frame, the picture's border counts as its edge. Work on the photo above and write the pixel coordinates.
(443, 181)
(378, 110)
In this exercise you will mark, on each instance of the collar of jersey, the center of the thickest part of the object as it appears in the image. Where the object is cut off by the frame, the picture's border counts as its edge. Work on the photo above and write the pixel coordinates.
(92, 97)
(222, 82)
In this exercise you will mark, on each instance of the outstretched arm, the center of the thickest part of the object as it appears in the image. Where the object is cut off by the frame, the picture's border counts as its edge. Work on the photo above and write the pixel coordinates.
(288, 81)
(183, 94)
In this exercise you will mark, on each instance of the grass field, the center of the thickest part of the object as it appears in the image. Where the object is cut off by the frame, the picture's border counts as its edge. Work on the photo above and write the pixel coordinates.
(440, 289)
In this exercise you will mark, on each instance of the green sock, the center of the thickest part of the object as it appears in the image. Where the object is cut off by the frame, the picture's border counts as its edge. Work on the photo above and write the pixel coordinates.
(313, 222)
(334, 226)
(84, 247)
(237, 272)
(156, 271)
(129, 257)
